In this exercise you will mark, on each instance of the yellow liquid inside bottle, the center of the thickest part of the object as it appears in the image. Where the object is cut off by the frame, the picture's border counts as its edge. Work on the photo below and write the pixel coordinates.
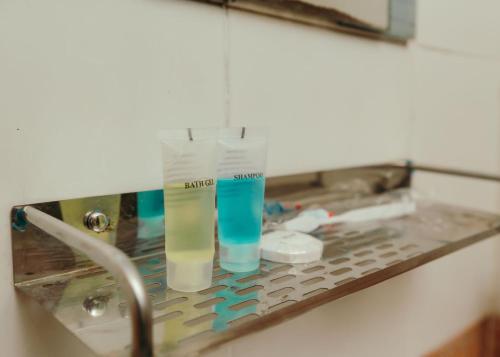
(189, 233)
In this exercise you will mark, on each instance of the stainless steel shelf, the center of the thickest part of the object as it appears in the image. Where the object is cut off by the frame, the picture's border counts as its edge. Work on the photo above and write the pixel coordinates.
(91, 303)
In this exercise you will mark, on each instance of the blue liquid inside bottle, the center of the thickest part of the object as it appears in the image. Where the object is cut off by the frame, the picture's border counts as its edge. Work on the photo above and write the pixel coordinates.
(150, 214)
(240, 205)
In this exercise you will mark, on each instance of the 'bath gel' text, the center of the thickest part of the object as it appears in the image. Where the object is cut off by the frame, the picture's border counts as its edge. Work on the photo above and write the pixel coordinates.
(199, 183)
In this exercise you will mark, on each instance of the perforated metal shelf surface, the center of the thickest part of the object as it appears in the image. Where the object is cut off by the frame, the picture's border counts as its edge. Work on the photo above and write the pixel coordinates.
(89, 302)
(92, 305)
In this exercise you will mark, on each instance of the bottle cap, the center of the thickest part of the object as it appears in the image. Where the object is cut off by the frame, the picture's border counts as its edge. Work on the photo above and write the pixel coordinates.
(189, 276)
(239, 257)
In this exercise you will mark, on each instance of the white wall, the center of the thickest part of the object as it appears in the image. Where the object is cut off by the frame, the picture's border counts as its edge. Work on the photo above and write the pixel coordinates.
(328, 99)
(84, 86)
(457, 102)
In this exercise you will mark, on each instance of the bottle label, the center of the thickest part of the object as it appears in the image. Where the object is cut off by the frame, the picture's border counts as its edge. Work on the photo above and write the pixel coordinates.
(248, 176)
(199, 183)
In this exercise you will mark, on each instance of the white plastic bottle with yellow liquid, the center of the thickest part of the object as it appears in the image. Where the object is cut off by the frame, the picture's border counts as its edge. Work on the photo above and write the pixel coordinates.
(189, 170)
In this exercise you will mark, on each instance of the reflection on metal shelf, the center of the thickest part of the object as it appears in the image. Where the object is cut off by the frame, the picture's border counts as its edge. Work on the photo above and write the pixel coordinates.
(91, 304)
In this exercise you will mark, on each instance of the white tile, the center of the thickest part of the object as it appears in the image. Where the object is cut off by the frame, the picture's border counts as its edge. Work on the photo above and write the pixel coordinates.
(457, 111)
(465, 192)
(88, 94)
(460, 25)
(449, 295)
(328, 99)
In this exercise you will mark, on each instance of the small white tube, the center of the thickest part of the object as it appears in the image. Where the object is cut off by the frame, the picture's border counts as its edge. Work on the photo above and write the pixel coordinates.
(240, 196)
(189, 166)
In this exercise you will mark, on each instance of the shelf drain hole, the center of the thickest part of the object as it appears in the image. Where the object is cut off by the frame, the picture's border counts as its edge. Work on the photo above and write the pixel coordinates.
(341, 271)
(250, 278)
(338, 261)
(282, 279)
(313, 269)
(213, 289)
(315, 292)
(171, 315)
(280, 292)
(249, 290)
(210, 302)
(363, 253)
(208, 317)
(312, 280)
(243, 304)
(365, 262)
(165, 304)
(388, 254)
